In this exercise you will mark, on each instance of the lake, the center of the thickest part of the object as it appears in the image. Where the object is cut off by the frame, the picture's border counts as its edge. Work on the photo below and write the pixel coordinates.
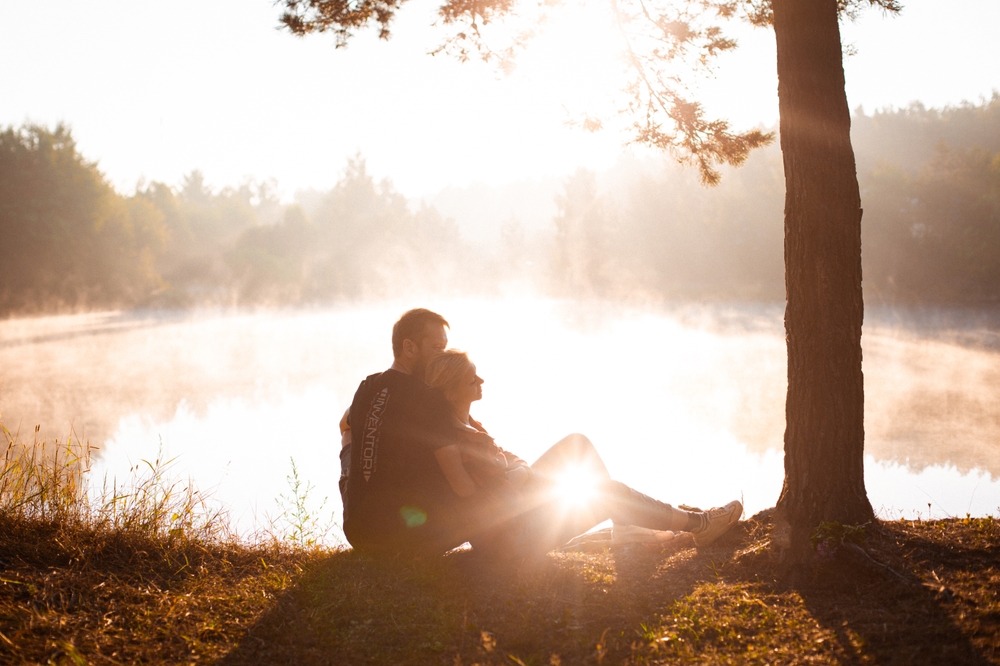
(685, 402)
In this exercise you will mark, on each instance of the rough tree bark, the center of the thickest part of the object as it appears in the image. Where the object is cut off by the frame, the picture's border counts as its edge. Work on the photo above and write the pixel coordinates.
(824, 409)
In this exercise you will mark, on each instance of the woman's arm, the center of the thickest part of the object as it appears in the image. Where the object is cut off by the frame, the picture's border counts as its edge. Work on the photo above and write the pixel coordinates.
(345, 428)
(450, 460)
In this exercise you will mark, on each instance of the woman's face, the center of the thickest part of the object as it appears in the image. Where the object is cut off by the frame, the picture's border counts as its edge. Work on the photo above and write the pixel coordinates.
(469, 388)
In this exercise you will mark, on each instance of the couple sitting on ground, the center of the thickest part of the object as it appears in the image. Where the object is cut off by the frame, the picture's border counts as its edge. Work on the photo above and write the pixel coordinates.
(419, 474)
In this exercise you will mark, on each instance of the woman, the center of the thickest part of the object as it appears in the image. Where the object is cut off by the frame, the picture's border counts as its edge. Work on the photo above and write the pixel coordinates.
(501, 478)
(521, 513)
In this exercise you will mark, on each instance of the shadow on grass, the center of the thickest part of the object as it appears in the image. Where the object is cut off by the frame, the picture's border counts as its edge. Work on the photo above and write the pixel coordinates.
(720, 605)
(842, 612)
(567, 608)
(891, 623)
(882, 619)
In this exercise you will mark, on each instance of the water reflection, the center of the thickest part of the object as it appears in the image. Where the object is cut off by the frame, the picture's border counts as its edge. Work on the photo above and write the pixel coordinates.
(685, 403)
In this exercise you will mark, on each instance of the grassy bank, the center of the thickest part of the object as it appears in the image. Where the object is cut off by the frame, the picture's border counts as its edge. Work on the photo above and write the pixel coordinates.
(78, 587)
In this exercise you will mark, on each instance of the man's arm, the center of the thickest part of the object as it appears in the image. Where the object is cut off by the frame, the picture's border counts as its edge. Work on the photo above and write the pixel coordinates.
(450, 460)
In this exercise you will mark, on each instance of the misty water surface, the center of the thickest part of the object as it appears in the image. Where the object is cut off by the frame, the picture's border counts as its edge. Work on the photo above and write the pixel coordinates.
(685, 402)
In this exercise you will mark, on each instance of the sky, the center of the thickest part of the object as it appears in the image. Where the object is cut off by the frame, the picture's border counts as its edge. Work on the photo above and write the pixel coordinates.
(155, 89)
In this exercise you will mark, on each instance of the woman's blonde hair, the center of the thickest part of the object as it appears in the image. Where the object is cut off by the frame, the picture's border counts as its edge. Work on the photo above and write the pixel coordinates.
(447, 369)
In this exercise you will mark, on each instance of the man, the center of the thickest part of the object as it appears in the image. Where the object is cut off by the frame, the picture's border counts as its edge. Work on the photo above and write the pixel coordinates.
(402, 477)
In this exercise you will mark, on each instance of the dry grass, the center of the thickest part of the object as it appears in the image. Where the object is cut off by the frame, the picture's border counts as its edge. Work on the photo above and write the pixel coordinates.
(47, 482)
(73, 594)
(149, 576)
(42, 482)
(144, 570)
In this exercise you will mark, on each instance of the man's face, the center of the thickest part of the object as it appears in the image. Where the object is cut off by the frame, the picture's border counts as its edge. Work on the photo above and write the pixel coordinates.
(435, 341)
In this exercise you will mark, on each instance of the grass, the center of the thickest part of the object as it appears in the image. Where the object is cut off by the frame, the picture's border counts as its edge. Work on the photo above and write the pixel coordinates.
(137, 580)
(142, 571)
(44, 482)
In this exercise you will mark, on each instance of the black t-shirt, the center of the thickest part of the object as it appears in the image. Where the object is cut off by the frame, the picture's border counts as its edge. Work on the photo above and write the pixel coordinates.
(397, 496)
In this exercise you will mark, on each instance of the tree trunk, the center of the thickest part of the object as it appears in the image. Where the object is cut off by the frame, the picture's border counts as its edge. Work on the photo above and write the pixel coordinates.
(824, 409)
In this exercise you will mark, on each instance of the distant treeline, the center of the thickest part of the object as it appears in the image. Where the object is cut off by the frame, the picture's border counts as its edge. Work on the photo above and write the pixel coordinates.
(68, 240)
(930, 181)
(930, 188)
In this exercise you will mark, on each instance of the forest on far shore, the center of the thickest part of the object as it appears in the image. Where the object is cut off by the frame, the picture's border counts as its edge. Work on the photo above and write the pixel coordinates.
(930, 184)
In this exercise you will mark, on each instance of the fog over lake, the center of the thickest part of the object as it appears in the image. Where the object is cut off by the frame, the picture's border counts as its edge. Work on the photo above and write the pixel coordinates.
(685, 402)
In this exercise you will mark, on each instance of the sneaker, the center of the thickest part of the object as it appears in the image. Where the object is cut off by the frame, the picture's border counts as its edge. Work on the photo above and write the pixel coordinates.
(720, 520)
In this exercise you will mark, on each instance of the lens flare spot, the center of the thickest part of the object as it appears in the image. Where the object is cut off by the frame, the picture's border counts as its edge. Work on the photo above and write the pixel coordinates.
(413, 516)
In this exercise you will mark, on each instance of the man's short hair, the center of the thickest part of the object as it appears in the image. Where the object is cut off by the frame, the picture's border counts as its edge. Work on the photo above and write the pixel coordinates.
(413, 326)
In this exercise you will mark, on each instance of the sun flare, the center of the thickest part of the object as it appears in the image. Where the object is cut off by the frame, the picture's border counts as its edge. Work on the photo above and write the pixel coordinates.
(575, 487)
